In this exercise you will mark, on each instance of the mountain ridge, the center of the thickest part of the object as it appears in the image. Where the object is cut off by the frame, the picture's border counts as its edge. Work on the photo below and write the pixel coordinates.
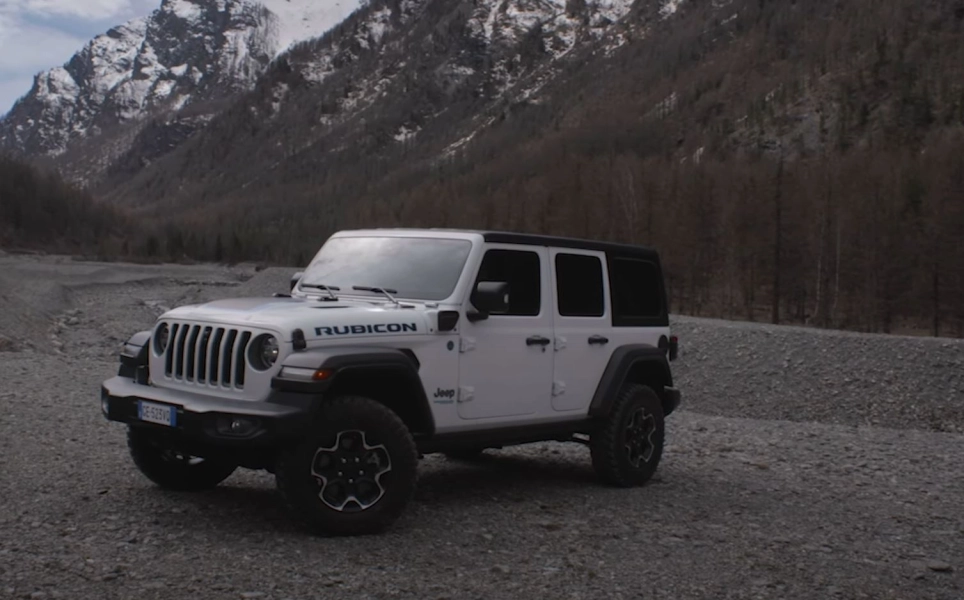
(186, 53)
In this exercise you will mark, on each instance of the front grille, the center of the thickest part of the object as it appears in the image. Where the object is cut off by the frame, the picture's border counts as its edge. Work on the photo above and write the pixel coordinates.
(207, 356)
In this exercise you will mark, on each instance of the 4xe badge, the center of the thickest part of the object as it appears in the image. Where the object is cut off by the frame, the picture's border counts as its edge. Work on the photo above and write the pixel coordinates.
(363, 329)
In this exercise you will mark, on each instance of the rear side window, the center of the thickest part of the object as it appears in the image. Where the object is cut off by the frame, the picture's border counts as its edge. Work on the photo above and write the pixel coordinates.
(579, 285)
(522, 271)
(637, 292)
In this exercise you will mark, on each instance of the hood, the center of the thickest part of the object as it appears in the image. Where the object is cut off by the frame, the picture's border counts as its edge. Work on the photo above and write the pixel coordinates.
(318, 320)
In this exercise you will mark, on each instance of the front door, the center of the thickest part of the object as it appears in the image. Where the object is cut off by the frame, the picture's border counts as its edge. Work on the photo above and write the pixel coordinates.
(505, 368)
(582, 327)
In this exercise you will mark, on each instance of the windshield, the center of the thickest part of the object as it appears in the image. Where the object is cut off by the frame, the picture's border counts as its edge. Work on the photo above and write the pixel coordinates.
(417, 268)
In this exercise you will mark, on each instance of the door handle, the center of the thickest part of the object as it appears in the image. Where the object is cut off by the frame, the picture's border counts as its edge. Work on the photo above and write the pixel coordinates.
(538, 340)
(598, 339)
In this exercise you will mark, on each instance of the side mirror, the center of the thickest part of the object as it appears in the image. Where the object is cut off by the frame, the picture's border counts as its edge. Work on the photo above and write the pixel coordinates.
(295, 279)
(490, 297)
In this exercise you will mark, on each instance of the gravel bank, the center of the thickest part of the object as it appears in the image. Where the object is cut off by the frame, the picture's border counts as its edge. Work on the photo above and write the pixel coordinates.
(800, 374)
(748, 503)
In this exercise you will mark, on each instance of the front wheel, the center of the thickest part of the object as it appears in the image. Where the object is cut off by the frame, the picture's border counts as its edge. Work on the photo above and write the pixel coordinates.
(626, 448)
(172, 469)
(355, 473)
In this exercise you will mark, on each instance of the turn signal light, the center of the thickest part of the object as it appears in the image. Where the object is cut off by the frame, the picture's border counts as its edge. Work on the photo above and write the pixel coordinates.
(305, 374)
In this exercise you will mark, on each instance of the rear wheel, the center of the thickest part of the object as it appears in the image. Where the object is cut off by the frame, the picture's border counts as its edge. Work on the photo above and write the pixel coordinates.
(172, 469)
(355, 473)
(627, 447)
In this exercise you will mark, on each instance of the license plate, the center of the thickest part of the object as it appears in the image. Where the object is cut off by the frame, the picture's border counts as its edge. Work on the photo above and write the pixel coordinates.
(161, 414)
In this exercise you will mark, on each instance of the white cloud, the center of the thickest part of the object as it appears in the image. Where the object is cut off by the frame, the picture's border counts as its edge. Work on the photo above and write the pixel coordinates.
(32, 48)
(88, 10)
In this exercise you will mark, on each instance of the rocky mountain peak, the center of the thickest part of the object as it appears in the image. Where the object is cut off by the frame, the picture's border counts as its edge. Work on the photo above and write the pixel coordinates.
(186, 52)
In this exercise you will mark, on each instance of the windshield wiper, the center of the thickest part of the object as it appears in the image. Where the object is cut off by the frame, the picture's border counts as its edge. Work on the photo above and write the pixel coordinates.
(320, 286)
(377, 290)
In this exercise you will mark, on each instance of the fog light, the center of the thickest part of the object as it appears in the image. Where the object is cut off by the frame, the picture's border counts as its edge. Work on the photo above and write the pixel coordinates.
(105, 404)
(237, 426)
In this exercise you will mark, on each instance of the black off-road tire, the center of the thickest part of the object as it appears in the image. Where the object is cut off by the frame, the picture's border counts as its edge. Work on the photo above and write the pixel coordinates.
(332, 501)
(170, 469)
(626, 448)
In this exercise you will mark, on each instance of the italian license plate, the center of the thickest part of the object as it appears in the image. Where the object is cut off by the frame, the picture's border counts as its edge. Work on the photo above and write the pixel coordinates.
(161, 414)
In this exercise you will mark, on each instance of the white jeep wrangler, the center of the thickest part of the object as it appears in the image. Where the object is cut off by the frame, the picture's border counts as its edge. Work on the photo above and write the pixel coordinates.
(398, 343)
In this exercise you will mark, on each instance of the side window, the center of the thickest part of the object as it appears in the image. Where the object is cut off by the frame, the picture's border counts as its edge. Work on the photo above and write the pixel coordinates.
(579, 286)
(636, 291)
(522, 271)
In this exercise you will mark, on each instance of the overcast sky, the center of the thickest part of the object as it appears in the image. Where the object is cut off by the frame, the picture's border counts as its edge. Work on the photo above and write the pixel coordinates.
(36, 35)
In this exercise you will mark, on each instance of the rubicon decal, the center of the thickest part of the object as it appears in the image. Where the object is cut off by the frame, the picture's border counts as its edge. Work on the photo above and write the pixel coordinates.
(363, 329)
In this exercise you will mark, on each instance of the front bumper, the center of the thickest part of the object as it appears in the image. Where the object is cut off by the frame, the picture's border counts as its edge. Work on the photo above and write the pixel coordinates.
(283, 416)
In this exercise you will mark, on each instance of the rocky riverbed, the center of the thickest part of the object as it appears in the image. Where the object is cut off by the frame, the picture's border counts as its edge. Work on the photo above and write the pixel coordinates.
(803, 464)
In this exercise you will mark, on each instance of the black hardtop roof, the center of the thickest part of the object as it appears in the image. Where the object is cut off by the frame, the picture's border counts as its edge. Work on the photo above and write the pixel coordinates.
(529, 239)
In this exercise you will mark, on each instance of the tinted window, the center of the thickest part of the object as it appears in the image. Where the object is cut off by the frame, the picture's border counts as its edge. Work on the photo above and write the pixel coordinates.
(579, 285)
(418, 268)
(521, 270)
(636, 290)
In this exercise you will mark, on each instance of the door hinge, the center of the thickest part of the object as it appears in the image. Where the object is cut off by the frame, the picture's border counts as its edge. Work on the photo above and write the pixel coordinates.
(466, 394)
(560, 343)
(466, 344)
(558, 388)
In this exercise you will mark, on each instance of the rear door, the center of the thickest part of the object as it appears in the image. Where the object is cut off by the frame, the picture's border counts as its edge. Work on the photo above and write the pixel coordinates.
(582, 325)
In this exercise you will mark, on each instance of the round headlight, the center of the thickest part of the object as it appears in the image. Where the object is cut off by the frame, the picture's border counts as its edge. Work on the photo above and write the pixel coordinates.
(161, 338)
(266, 351)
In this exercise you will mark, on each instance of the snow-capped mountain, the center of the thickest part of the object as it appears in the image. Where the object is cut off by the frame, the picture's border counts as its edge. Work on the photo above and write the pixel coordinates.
(186, 55)
(452, 68)
(505, 52)
(399, 81)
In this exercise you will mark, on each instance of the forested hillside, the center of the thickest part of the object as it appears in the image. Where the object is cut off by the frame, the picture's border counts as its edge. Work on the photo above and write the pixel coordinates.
(38, 211)
(793, 161)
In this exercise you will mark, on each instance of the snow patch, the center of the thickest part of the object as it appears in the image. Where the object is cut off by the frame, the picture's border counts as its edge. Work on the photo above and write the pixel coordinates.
(179, 70)
(163, 89)
(378, 26)
(405, 133)
(669, 8)
(612, 10)
(489, 27)
(300, 20)
(666, 107)
(184, 9)
(60, 83)
(181, 102)
(318, 70)
(280, 93)
(453, 148)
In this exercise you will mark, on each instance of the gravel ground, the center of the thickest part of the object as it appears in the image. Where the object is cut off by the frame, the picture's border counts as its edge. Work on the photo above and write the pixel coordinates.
(776, 483)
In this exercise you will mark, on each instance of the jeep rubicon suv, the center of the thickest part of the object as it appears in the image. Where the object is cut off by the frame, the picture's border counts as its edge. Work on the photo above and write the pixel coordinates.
(397, 343)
